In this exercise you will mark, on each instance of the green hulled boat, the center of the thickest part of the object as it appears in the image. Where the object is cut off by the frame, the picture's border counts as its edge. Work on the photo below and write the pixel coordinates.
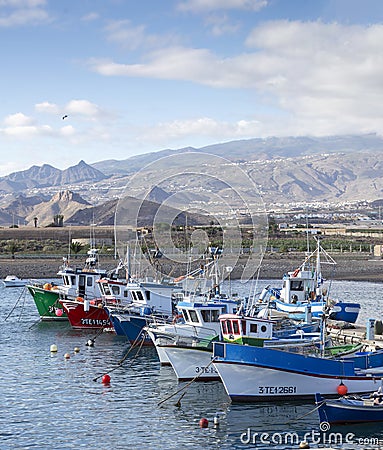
(76, 282)
(47, 302)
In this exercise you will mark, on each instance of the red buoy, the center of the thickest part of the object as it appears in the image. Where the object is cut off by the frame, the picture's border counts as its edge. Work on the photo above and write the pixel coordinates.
(203, 423)
(342, 389)
(106, 379)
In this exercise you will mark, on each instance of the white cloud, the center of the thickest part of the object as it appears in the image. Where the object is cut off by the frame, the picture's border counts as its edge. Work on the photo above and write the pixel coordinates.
(27, 131)
(18, 120)
(47, 107)
(82, 108)
(330, 73)
(132, 37)
(202, 127)
(22, 3)
(90, 17)
(221, 25)
(212, 5)
(67, 131)
(176, 63)
(22, 12)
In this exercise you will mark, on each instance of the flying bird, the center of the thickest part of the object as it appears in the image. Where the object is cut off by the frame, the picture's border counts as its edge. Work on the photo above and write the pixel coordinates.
(64, 117)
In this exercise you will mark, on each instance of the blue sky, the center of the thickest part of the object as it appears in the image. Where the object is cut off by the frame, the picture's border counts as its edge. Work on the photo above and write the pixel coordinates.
(139, 76)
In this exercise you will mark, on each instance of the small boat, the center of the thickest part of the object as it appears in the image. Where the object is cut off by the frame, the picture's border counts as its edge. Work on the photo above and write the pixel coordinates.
(188, 346)
(351, 408)
(130, 305)
(251, 373)
(305, 288)
(194, 328)
(14, 281)
(86, 314)
(76, 282)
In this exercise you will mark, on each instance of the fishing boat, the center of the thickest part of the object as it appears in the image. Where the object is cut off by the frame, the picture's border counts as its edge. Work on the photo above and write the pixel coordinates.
(86, 314)
(306, 286)
(156, 303)
(76, 282)
(251, 373)
(195, 324)
(14, 281)
(351, 408)
(130, 305)
(188, 346)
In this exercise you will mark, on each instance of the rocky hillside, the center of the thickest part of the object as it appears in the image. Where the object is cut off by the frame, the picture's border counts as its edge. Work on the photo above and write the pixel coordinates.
(331, 170)
(46, 176)
(65, 203)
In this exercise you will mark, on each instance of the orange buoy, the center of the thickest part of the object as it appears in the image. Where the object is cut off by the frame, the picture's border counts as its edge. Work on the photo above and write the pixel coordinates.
(342, 389)
(203, 423)
(59, 312)
(106, 379)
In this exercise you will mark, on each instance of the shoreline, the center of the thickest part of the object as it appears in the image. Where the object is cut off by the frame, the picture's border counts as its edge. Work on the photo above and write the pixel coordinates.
(349, 267)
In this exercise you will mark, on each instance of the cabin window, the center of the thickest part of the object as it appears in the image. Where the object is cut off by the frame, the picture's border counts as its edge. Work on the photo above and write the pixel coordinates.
(105, 289)
(235, 326)
(193, 316)
(134, 296)
(89, 281)
(214, 315)
(253, 328)
(263, 328)
(224, 327)
(243, 323)
(229, 327)
(296, 285)
(185, 315)
(140, 295)
(116, 290)
(147, 293)
(206, 316)
(126, 293)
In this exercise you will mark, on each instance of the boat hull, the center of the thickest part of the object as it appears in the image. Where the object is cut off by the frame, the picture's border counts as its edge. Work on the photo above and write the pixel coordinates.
(90, 317)
(162, 356)
(343, 411)
(259, 374)
(342, 311)
(47, 303)
(130, 326)
(191, 363)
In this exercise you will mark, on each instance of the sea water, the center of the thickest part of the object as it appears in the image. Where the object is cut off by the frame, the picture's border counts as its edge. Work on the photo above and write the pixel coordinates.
(49, 401)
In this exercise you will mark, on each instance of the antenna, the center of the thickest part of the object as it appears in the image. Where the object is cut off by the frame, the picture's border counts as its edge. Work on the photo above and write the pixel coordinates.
(307, 232)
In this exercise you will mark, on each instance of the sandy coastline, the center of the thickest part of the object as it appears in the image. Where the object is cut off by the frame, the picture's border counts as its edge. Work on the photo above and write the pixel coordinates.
(357, 267)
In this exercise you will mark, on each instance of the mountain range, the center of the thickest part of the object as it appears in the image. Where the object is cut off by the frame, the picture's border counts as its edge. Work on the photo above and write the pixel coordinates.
(329, 170)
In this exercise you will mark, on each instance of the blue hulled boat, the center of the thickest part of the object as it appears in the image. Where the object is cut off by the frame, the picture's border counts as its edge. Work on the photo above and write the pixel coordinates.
(306, 287)
(252, 373)
(350, 409)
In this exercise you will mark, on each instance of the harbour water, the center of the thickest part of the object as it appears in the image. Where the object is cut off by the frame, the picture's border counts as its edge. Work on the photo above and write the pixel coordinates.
(51, 402)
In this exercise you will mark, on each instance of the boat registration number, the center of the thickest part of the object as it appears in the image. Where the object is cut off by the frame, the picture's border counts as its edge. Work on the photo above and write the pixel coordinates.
(277, 389)
(204, 369)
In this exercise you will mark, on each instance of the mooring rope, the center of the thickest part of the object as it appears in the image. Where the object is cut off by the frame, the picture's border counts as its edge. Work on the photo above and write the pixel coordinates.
(14, 306)
(187, 385)
(135, 343)
(99, 333)
(307, 414)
